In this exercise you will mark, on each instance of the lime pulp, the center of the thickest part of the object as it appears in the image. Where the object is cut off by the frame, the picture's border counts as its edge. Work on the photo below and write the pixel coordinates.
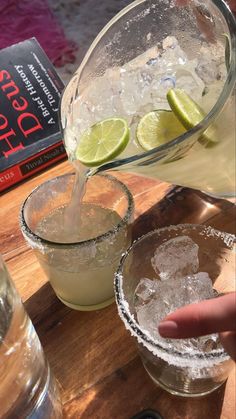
(103, 141)
(158, 127)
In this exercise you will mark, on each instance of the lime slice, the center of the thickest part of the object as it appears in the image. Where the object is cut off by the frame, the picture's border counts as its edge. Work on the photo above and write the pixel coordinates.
(158, 127)
(189, 113)
(103, 142)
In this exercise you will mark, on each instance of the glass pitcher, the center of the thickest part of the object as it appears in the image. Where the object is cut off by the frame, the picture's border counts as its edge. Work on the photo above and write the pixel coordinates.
(148, 48)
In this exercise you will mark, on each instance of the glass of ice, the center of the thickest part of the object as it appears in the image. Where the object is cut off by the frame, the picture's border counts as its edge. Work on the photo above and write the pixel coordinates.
(28, 388)
(79, 245)
(164, 270)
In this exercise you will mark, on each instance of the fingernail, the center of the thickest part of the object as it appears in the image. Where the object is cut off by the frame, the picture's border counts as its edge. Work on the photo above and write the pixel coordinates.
(168, 329)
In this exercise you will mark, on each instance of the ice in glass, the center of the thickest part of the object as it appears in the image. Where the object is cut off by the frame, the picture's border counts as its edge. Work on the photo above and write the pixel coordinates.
(162, 271)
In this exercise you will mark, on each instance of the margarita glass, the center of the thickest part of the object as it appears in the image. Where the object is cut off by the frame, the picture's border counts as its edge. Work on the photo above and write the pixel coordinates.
(148, 48)
(182, 370)
(79, 245)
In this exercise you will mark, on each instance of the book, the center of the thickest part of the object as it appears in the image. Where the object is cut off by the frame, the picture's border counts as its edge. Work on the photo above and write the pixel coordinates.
(30, 90)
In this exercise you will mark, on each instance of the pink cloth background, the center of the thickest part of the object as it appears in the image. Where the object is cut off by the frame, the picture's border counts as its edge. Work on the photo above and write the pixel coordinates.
(23, 19)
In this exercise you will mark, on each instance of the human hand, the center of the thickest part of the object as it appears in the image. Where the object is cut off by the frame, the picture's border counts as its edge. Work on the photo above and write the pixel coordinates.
(217, 315)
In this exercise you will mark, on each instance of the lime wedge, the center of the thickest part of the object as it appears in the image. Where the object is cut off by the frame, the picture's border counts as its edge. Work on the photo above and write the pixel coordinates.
(103, 142)
(189, 113)
(158, 127)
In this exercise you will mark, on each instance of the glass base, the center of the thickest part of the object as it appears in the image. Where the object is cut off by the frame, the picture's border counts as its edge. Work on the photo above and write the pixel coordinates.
(92, 307)
(49, 403)
(182, 394)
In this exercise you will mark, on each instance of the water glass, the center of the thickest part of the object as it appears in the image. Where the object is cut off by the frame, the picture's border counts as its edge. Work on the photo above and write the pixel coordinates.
(27, 386)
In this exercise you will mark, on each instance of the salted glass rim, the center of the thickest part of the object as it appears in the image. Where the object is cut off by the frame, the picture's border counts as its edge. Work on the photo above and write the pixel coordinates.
(129, 320)
(35, 238)
(200, 127)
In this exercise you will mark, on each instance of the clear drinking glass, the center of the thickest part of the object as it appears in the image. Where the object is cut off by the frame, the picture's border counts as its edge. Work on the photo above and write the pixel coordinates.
(125, 75)
(27, 386)
(81, 271)
(186, 373)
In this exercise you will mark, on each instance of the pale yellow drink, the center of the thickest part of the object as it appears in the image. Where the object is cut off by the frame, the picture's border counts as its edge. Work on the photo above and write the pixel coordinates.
(84, 281)
(210, 169)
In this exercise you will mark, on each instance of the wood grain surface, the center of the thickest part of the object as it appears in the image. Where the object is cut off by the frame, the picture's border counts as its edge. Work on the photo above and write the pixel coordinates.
(92, 355)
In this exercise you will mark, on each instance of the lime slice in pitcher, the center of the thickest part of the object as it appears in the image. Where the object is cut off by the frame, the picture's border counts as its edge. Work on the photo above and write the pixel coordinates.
(103, 142)
(157, 128)
(189, 113)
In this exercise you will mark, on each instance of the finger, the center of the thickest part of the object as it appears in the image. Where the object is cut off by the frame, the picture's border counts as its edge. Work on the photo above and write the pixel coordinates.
(199, 319)
(228, 340)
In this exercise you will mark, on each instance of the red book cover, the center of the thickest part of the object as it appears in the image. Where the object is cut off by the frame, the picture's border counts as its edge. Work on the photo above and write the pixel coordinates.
(30, 91)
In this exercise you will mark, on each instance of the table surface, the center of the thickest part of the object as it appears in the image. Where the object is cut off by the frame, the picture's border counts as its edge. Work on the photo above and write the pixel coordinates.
(92, 355)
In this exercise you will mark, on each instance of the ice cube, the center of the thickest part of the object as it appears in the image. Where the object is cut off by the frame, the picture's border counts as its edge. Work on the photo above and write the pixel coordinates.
(129, 89)
(156, 299)
(98, 100)
(103, 95)
(174, 66)
(176, 258)
(136, 89)
(203, 344)
(169, 42)
(211, 63)
(197, 287)
(147, 57)
(208, 73)
(169, 295)
(144, 291)
(172, 53)
(153, 301)
(188, 80)
(148, 316)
